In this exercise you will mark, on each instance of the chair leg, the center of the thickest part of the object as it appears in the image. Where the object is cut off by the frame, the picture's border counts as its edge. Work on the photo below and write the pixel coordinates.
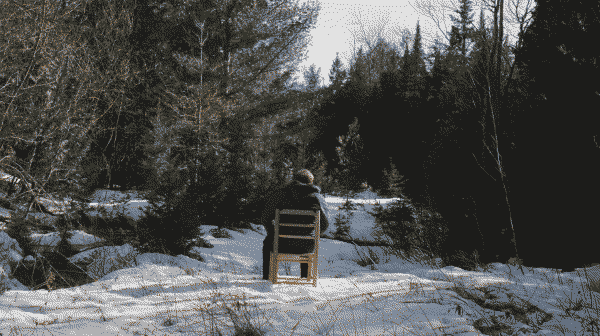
(271, 267)
(308, 270)
(274, 268)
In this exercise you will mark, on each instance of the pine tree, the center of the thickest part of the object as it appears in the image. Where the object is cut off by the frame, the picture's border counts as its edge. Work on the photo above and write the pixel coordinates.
(223, 140)
(281, 84)
(405, 62)
(479, 59)
(352, 158)
(312, 78)
(414, 71)
(221, 42)
(358, 69)
(463, 24)
(416, 55)
(393, 181)
(455, 38)
(337, 75)
(342, 221)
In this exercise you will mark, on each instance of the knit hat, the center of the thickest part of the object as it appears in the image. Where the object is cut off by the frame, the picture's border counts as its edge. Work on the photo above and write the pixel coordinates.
(304, 176)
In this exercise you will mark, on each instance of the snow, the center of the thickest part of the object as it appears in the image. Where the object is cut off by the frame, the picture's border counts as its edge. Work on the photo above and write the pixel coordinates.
(163, 295)
(9, 178)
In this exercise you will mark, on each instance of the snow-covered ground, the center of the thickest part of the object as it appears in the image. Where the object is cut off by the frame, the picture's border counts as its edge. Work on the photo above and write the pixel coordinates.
(163, 295)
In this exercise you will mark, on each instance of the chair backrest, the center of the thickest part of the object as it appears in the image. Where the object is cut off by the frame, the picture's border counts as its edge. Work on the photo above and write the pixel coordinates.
(315, 225)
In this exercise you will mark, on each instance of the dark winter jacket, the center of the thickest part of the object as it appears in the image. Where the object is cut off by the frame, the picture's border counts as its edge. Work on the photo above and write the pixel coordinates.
(297, 196)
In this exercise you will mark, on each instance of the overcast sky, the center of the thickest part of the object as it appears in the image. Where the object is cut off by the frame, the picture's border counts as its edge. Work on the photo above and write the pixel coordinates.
(339, 27)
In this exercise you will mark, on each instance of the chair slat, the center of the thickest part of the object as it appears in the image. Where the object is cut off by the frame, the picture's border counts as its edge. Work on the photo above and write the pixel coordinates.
(297, 225)
(299, 237)
(297, 212)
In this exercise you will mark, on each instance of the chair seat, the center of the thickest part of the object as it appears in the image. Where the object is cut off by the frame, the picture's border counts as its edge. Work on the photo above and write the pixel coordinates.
(291, 255)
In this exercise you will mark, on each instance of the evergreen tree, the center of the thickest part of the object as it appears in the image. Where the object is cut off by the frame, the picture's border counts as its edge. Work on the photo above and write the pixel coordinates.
(359, 69)
(405, 62)
(281, 83)
(393, 182)
(460, 129)
(554, 102)
(480, 60)
(382, 58)
(312, 78)
(342, 221)
(327, 118)
(455, 38)
(337, 75)
(437, 73)
(221, 40)
(417, 65)
(225, 137)
(414, 72)
(390, 75)
(352, 158)
(463, 24)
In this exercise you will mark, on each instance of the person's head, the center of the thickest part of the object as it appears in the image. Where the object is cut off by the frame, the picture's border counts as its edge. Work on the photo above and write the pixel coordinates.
(304, 176)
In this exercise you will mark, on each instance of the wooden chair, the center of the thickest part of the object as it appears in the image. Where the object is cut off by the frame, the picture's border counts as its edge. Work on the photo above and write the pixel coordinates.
(309, 258)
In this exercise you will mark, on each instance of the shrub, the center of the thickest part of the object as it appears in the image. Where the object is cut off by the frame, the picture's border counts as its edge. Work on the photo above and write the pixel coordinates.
(119, 230)
(342, 230)
(44, 228)
(170, 227)
(115, 230)
(411, 228)
(220, 233)
(434, 231)
(392, 182)
(85, 222)
(397, 222)
(64, 246)
(20, 230)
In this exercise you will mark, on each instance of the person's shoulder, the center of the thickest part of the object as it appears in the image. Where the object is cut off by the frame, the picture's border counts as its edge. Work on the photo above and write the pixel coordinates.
(305, 187)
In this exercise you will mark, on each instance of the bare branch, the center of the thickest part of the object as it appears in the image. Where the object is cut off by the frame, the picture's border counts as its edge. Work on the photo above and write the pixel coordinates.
(482, 167)
(369, 40)
(436, 12)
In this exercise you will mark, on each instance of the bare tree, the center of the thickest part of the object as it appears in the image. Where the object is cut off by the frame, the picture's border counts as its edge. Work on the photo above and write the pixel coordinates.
(491, 100)
(438, 11)
(45, 115)
(373, 37)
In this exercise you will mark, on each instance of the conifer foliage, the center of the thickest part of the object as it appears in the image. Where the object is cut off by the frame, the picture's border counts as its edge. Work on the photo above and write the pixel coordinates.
(179, 208)
(393, 182)
(342, 228)
(352, 158)
(337, 75)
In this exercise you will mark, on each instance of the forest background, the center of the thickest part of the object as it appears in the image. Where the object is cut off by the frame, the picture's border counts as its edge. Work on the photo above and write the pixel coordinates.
(500, 141)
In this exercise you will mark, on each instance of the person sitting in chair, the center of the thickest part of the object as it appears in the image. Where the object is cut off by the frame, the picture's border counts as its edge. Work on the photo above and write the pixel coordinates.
(300, 194)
